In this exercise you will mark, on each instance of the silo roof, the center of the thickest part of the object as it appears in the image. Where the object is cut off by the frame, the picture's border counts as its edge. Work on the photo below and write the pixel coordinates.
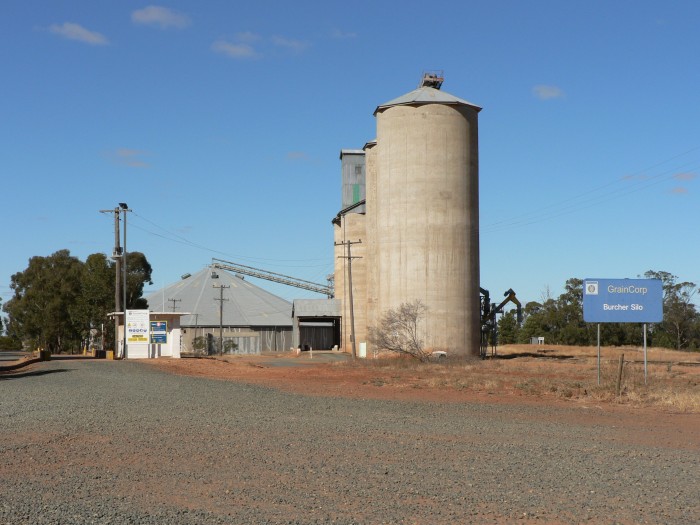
(426, 95)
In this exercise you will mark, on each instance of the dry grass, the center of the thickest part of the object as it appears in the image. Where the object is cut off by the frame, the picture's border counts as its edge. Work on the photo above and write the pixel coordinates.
(561, 372)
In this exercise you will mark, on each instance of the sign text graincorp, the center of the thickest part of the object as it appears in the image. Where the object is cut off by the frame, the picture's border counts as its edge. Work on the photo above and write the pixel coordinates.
(622, 301)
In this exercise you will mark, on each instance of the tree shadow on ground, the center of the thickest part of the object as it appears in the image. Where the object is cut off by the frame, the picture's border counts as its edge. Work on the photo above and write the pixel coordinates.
(558, 357)
(69, 357)
(19, 375)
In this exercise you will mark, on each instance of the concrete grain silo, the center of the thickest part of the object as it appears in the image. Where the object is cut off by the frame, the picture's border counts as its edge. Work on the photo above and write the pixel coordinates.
(371, 229)
(349, 232)
(423, 214)
(351, 229)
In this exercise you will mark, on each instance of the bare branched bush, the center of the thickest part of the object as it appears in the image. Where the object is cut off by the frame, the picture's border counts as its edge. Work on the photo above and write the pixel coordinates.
(397, 331)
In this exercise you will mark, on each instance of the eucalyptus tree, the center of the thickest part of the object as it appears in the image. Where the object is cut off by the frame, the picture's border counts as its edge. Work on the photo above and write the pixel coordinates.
(508, 328)
(535, 321)
(96, 298)
(40, 310)
(679, 326)
(59, 302)
(570, 325)
(560, 320)
(138, 273)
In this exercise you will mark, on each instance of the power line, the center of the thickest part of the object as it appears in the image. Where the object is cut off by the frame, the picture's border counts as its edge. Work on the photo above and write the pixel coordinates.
(183, 240)
(635, 182)
(324, 266)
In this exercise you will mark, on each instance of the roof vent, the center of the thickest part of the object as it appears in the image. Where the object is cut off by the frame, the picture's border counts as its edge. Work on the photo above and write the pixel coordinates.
(433, 79)
(185, 276)
(214, 275)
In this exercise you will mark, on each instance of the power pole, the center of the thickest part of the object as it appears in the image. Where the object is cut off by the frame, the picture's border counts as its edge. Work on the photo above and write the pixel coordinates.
(221, 315)
(117, 257)
(175, 301)
(349, 257)
(124, 208)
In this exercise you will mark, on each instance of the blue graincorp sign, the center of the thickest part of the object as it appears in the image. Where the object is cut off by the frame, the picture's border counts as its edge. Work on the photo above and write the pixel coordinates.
(622, 301)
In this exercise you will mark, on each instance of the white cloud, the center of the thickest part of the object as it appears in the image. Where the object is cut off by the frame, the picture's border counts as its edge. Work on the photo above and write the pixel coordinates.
(131, 158)
(297, 156)
(234, 50)
(77, 32)
(160, 16)
(337, 33)
(296, 46)
(245, 45)
(544, 92)
(684, 176)
(247, 36)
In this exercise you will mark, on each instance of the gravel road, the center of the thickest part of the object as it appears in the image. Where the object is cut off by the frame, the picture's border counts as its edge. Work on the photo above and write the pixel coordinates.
(103, 442)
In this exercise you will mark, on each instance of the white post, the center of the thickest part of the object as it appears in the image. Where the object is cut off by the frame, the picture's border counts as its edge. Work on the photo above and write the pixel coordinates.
(645, 353)
(598, 354)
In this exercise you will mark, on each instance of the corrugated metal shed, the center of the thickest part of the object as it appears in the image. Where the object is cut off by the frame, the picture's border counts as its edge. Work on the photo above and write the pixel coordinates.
(426, 95)
(353, 176)
(316, 308)
(245, 305)
(316, 324)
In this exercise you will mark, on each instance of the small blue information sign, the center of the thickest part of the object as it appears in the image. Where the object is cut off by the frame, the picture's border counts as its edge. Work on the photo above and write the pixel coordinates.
(159, 332)
(622, 301)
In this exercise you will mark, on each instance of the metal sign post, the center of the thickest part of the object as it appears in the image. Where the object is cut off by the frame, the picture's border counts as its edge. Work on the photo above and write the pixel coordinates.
(645, 353)
(598, 354)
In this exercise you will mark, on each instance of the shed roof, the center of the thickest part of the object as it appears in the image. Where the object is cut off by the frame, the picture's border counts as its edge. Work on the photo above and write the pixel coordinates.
(344, 152)
(244, 303)
(317, 308)
(426, 95)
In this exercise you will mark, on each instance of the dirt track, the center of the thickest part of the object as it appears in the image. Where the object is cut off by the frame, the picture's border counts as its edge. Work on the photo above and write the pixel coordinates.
(126, 442)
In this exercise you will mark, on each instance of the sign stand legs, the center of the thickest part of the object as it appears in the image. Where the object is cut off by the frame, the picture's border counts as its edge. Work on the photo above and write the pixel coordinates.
(645, 353)
(598, 354)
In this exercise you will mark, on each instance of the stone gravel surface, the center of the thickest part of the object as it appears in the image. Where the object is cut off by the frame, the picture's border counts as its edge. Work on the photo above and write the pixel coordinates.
(102, 442)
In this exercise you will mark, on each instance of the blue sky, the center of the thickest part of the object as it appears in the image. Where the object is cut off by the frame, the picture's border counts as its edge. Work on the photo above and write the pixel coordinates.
(220, 124)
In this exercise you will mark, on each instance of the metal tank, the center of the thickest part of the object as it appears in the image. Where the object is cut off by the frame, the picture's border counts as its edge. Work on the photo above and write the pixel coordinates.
(423, 209)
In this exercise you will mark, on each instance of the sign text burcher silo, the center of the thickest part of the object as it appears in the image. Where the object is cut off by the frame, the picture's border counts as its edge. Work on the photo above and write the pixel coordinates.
(622, 301)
